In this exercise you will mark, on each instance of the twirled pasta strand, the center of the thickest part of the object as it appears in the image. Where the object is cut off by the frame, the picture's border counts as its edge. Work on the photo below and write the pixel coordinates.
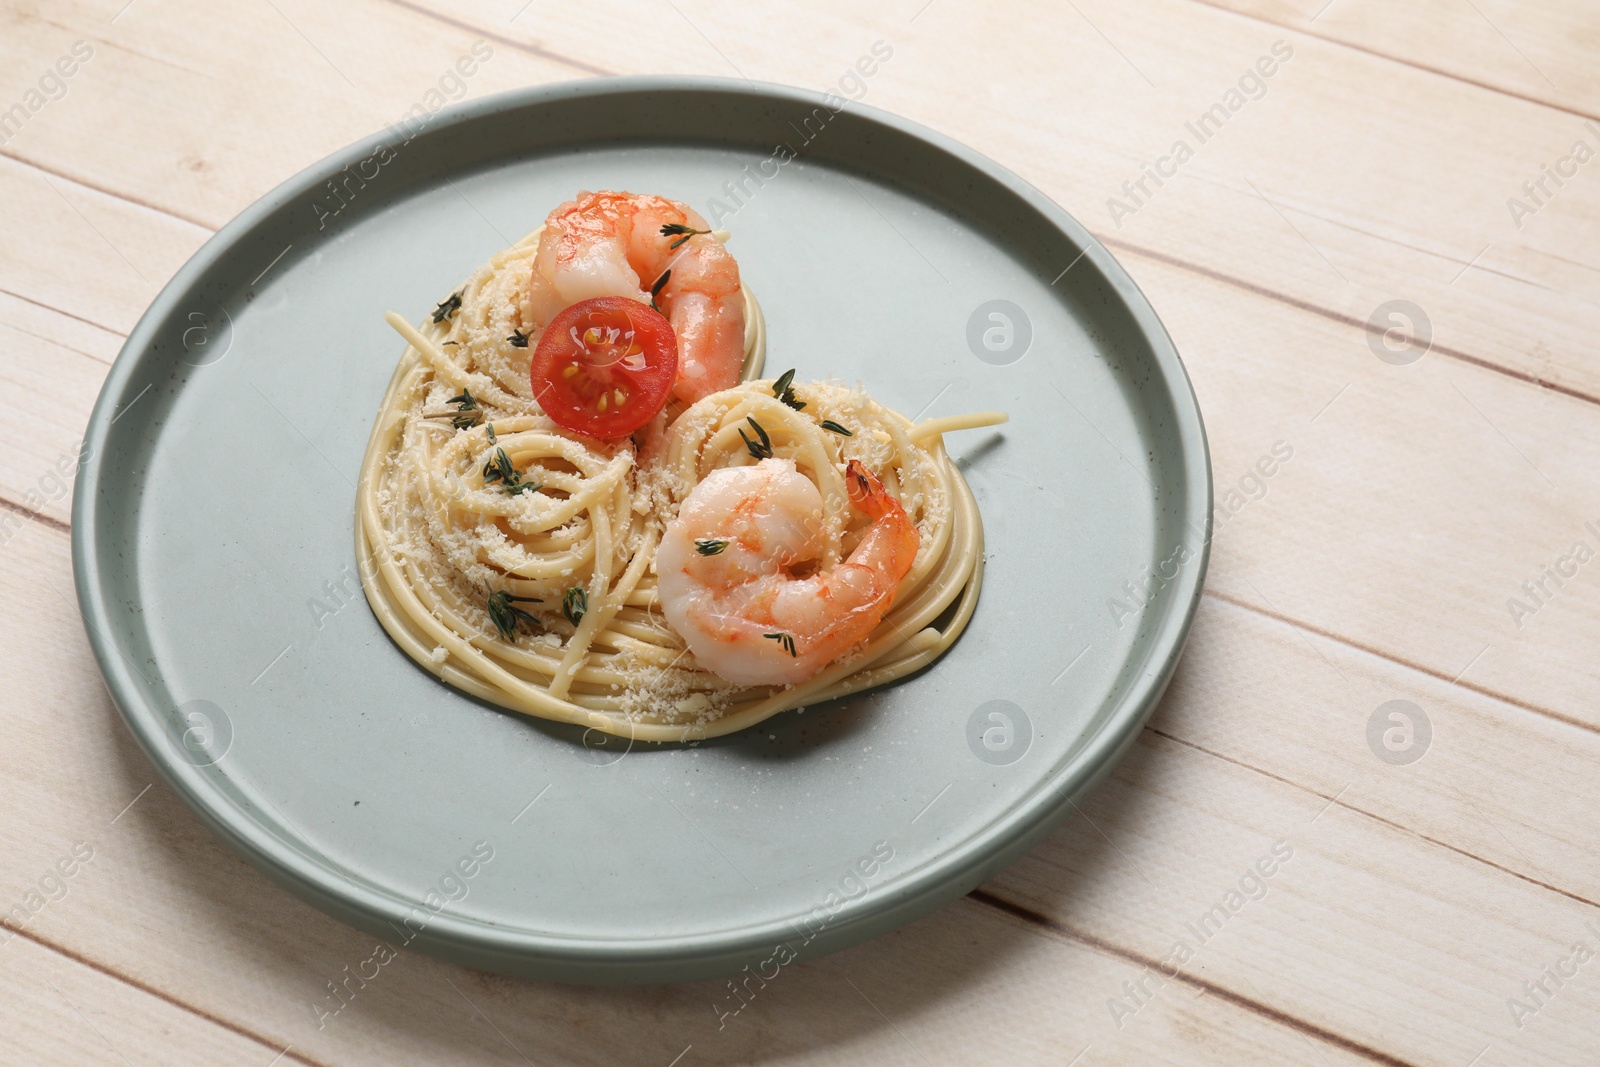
(434, 537)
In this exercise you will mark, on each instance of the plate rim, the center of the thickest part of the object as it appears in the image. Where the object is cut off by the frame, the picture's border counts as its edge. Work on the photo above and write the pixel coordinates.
(1029, 817)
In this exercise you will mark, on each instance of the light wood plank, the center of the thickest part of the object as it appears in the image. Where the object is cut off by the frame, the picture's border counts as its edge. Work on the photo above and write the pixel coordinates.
(1494, 782)
(61, 1011)
(1418, 500)
(1517, 437)
(1322, 189)
(88, 254)
(202, 126)
(23, 318)
(1372, 533)
(1364, 931)
(165, 903)
(1316, 545)
(1186, 820)
(1544, 52)
(52, 388)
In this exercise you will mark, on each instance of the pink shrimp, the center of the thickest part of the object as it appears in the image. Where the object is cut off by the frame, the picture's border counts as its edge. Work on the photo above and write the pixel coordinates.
(611, 244)
(727, 569)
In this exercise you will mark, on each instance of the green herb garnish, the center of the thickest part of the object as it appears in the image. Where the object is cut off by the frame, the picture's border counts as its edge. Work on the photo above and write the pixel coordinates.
(673, 228)
(829, 424)
(786, 641)
(447, 307)
(574, 605)
(505, 615)
(760, 449)
(518, 339)
(467, 413)
(499, 469)
(655, 290)
(709, 547)
(783, 389)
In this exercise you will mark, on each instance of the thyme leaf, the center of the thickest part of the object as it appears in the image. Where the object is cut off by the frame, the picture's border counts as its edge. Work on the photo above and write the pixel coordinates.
(655, 290)
(506, 615)
(783, 389)
(785, 641)
(467, 413)
(574, 605)
(499, 469)
(518, 339)
(447, 307)
(710, 547)
(760, 449)
(672, 229)
(829, 424)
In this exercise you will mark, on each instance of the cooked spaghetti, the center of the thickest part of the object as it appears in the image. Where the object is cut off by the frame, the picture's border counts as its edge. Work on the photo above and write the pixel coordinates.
(516, 560)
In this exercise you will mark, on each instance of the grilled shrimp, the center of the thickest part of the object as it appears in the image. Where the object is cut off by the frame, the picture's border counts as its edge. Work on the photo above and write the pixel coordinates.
(730, 569)
(611, 244)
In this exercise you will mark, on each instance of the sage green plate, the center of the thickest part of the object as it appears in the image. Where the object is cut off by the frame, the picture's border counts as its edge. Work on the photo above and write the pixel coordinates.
(212, 542)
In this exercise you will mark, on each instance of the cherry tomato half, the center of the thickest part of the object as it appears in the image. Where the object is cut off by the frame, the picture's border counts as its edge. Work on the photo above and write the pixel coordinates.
(604, 367)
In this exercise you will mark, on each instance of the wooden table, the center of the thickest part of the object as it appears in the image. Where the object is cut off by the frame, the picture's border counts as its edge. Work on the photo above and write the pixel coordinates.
(1421, 544)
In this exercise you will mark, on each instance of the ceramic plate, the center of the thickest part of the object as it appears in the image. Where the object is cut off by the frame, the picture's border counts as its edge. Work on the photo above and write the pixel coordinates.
(213, 542)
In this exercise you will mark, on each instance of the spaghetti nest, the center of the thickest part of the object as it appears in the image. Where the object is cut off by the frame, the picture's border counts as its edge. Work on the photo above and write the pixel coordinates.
(469, 492)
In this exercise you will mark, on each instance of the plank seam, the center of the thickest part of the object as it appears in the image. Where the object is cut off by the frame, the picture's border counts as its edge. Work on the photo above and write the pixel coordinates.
(57, 344)
(38, 516)
(65, 314)
(114, 194)
(510, 42)
(1376, 817)
(144, 987)
(1436, 71)
(1341, 317)
(1109, 241)
(1266, 1011)
(1350, 642)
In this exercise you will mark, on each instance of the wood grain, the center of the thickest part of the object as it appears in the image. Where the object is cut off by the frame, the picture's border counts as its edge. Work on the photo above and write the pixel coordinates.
(1321, 190)
(1542, 53)
(164, 904)
(1375, 565)
(1264, 205)
(59, 1011)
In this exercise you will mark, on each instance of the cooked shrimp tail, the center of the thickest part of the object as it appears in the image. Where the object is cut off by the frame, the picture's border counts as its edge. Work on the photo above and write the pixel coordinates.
(744, 610)
(866, 492)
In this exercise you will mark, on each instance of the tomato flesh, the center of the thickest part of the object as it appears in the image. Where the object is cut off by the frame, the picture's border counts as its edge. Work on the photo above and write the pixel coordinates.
(604, 367)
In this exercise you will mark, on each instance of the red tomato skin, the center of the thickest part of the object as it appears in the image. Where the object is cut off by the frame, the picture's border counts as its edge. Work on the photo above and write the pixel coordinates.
(608, 365)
